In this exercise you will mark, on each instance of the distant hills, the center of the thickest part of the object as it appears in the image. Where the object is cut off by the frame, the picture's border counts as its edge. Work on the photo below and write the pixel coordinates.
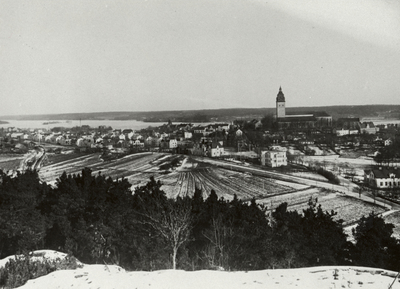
(228, 114)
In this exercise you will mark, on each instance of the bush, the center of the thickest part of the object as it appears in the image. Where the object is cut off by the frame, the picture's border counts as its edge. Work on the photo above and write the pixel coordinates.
(329, 175)
(18, 271)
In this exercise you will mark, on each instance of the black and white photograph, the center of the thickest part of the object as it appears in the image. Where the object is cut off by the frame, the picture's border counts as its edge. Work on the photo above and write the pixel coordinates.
(200, 144)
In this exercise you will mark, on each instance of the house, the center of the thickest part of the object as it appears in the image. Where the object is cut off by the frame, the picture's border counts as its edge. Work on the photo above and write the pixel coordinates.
(27, 136)
(17, 135)
(239, 133)
(60, 140)
(69, 141)
(198, 150)
(188, 135)
(130, 135)
(217, 149)
(117, 132)
(274, 158)
(89, 138)
(164, 144)
(173, 143)
(122, 143)
(152, 141)
(388, 142)
(149, 140)
(50, 138)
(368, 128)
(80, 142)
(342, 132)
(199, 129)
(382, 178)
(138, 143)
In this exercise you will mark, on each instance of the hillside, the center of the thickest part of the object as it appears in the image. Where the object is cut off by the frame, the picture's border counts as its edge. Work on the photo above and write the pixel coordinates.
(382, 111)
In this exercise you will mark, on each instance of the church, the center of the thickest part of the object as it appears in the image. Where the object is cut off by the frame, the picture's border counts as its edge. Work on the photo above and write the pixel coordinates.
(307, 120)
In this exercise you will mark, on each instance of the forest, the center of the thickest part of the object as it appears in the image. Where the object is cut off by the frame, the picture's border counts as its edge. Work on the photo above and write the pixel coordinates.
(100, 220)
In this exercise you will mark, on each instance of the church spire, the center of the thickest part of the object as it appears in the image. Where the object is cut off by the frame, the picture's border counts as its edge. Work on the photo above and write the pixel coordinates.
(280, 97)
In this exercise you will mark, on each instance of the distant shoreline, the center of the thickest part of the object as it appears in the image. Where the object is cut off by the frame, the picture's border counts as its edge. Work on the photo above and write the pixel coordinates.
(4, 122)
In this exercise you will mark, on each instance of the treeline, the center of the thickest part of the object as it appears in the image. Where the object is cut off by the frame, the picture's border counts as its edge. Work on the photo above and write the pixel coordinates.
(100, 220)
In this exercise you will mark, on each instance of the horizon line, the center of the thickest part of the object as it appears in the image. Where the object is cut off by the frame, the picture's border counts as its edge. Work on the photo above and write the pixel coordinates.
(187, 110)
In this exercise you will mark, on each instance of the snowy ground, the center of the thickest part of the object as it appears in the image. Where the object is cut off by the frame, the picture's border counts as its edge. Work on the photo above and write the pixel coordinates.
(101, 276)
(309, 175)
(111, 276)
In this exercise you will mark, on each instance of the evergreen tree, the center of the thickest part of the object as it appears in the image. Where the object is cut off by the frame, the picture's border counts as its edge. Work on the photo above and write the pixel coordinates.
(375, 246)
(22, 227)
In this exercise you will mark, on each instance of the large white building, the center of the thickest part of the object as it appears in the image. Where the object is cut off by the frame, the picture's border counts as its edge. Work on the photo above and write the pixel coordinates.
(274, 158)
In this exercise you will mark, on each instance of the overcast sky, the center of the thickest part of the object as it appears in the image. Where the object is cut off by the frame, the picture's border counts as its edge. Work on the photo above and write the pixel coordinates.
(99, 55)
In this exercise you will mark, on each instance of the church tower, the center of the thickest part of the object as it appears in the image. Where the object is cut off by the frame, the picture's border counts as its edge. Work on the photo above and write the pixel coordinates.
(280, 104)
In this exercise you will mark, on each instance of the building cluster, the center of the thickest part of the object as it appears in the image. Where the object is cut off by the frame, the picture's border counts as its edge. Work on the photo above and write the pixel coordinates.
(203, 140)
(319, 121)
(310, 133)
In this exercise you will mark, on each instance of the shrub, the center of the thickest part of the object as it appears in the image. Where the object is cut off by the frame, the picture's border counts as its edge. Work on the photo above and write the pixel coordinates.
(18, 271)
(329, 175)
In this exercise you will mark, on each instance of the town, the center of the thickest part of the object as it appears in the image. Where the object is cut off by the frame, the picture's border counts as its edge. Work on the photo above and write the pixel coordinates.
(272, 141)
(302, 167)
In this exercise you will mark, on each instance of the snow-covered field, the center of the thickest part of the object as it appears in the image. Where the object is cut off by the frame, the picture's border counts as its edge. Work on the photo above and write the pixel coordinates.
(111, 276)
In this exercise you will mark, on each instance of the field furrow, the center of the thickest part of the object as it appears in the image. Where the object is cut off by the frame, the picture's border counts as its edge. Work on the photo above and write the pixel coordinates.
(181, 180)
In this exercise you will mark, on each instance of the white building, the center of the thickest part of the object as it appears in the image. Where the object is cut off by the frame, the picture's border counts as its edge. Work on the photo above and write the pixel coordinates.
(274, 158)
(217, 150)
(188, 135)
(173, 143)
(383, 178)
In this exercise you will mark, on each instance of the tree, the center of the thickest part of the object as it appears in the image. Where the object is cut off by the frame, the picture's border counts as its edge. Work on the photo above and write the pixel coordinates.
(375, 246)
(88, 216)
(22, 227)
(287, 237)
(311, 239)
(325, 241)
(168, 218)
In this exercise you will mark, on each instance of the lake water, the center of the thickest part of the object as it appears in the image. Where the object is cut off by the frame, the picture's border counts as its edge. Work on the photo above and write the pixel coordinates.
(115, 124)
(381, 121)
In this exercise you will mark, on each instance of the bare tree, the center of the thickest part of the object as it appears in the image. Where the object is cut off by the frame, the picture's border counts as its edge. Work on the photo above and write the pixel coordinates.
(216, 251)
(222, 247)
(173, 222)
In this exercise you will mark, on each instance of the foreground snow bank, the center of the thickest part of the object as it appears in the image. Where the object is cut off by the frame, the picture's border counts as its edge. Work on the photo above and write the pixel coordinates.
(102, 276)
(111, 276)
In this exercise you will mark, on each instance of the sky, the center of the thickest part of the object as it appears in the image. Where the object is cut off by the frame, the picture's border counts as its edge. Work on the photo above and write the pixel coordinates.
(145, 55)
